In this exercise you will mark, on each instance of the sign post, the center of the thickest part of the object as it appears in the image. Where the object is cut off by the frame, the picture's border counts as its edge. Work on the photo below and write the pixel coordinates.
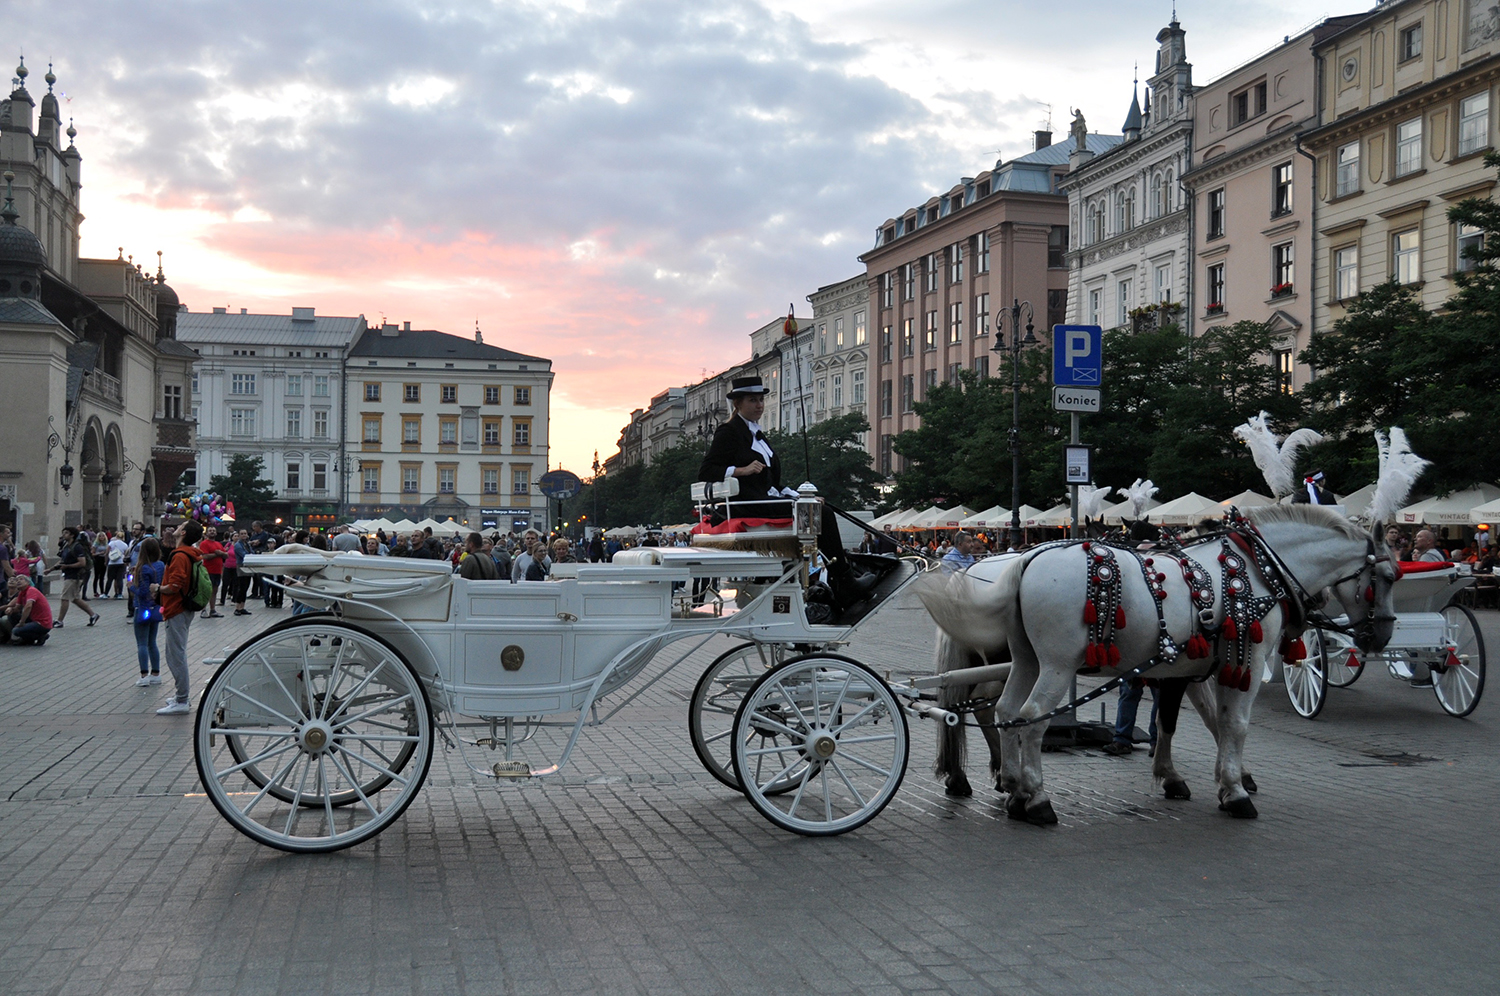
(1077, 372)
(558, 485)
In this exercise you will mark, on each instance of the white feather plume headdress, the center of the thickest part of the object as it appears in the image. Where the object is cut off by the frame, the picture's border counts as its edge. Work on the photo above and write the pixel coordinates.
(1277, 463)
(1091, 501)
(1139, 493)
(1399, 470)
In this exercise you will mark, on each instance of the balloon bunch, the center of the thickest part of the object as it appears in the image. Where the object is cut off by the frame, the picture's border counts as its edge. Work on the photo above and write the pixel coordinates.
(205, 507)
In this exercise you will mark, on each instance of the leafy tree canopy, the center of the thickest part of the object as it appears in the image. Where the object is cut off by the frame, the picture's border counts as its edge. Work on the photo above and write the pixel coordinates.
(242, 484)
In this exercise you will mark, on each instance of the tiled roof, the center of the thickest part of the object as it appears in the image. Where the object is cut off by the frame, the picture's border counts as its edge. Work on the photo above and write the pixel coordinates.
(267, 330)
(433, 345)
(25, 311)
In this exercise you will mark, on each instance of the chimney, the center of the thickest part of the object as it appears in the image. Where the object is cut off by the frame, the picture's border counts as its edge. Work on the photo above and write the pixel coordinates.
(478, 335)
(303, 314)
(221, 311)
(406, 326)
(1043, 139)
(244, 311)
(389, 329)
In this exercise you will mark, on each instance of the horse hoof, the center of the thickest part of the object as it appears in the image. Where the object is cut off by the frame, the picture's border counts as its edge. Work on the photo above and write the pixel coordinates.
(1240, 809)
(1177, 790)
(1041, 815)
(1015, 807)
(1249, 783)
(958, 786)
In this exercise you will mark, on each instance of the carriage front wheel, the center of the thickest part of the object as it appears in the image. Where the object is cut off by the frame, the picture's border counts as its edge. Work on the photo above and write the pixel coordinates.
(1307, 679)
(313, 736)
(1459, 680)
(841, 747)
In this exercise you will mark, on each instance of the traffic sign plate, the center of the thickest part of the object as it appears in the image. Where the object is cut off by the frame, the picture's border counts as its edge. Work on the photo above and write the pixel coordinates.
(560, 484)
(1077, 355)
(1075, 399)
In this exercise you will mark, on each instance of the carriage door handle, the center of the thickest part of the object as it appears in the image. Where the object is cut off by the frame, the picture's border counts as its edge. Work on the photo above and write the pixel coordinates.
(567, 617)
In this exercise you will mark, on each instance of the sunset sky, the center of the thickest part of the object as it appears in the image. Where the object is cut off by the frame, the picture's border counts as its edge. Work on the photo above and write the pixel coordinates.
(628, 188)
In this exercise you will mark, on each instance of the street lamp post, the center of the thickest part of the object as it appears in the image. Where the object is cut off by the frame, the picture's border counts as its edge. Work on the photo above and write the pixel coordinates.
(1018, 312)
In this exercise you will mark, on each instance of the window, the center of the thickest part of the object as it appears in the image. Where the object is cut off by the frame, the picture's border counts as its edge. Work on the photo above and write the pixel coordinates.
(857, 388)
(1057, 247)
(370, 480)
(446, 480)
(320, 477)
(411, 394)
(411, 431)
(1467, 242)
(822, 394)
(320, 354)
(1346, 272)
(1124, 299)
(492, 432)
(981, 314)
(489, 479)
(294, 477)
(1216, 287)
(372, 392)
(860, 331)
(955, 262)
(195, 382)
(448, 394)
(320, 425)
(491, 394)
(320, 386)
(1124, 212)
(294, 385)
(1216, 213)
(1406, 251)
(1408, 147)
(886, 337)
(294, 423)
(1474, 123)
(1281, 190)
(242, 384)
(171, 401)
(908, 337)
(908, 392)
(1096, 224)
(1057, 307)
(372, 430)
(1158, 196)
(194, 415)
(243, 352)
(838, 333)
(929, 334)
(1348, 170)
(1248, 103)
(1096, 306)
(836, 384)
(887, 289)
(520, 481)
(448, 432)
(885, 399)
(930, 273)
(982, 256)
(1283, 360)
(909, 282)
(885, 455)
(953, 371)
(981, 367)
(823, 339)
(521, 432)
(956, 322)
(1282, 270)
(242, 421)
(190, 477)
(1163, 278)
(1411, 43)
(929, 381)
(411, 479)
(294, 353)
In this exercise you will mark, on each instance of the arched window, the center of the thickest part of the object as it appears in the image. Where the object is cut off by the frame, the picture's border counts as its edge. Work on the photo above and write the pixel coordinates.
(1167, 198)
(1158, 197)
(1126, 216)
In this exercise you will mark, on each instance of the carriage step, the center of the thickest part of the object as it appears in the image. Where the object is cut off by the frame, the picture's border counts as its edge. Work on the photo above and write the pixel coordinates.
(512, 769)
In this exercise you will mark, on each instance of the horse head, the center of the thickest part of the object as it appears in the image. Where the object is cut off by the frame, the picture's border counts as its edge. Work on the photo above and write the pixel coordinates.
(1367, 594)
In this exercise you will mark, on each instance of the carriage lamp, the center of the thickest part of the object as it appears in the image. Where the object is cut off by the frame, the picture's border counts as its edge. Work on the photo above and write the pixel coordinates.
(808, 513)
(65, 475)
(108, 481)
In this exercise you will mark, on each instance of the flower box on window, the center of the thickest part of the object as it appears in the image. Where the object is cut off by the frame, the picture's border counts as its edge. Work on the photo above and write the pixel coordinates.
(1217, 308)
(1281, 290)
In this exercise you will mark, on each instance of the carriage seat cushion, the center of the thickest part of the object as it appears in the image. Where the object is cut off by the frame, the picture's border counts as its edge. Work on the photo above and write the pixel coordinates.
(1423, 566)
(746, 524)
(643, 556)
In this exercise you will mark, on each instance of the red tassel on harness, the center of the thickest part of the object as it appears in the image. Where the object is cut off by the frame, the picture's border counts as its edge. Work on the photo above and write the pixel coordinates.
(1256, 633)
(1119, 617)
(1370, 593)
(1223, 677)
(1090, 614)
(1296, 651)
(1245, 680)
(1353, 661)
(1114, 655)
(1089, 660)
(1231, 632)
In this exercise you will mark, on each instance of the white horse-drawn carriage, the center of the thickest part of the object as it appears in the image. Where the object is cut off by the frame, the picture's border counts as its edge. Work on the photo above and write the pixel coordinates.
(318, 733)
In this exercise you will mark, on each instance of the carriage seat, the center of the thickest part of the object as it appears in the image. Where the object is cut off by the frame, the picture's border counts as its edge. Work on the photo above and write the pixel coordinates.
(731, 525)
(641, 556)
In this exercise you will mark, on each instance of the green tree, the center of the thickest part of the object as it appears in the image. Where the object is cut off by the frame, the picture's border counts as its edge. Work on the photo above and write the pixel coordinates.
(840, 466)
(242, 484)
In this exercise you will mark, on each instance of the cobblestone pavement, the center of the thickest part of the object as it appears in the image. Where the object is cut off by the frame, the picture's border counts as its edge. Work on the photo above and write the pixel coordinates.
(1371, 870)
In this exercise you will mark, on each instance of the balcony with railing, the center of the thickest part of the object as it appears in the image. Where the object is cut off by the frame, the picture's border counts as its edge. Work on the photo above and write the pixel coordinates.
(102, 384)
(176, 434)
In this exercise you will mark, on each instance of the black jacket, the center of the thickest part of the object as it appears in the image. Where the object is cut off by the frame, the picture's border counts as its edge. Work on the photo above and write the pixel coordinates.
(732, 448)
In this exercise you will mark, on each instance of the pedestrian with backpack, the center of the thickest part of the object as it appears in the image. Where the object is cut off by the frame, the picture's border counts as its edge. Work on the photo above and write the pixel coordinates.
(185, 589)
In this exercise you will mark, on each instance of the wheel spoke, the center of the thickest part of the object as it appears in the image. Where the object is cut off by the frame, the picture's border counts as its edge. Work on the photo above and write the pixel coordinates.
(261, 705)
(874, 702)
(781, 687)
(354, 695)
(354, 782)
(882, 772)
(385, 707)
(296, 804)
(827, 799)
(762, 720)
(301, 714)
(334, 676)
(264, 755)
(327, 796)
(878, 738)
(394, 776)
(801, 787)
(273, 780)
(833, 762)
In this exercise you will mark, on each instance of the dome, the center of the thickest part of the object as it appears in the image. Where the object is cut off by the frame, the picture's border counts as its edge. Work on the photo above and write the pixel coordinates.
(166, 297)
(19, 247)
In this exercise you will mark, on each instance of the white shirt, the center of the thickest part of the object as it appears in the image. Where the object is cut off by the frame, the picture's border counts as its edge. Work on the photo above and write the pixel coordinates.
(118, 548)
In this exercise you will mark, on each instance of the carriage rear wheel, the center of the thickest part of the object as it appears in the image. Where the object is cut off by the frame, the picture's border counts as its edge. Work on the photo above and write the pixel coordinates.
(843, 746)
(1459, 681)
(313, 736)
(716, 699)
(1307, 680)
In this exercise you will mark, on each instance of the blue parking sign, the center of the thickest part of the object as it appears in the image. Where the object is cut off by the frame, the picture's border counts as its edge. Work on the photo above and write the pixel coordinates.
(1077, 355)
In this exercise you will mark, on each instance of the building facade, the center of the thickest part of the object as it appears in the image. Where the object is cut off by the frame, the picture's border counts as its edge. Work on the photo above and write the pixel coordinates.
(840, 348)
(91, 358)
(440, 426)
(1129, 234)
(272, 387)
(940, 273)
(1252, 194)
(1408, 108)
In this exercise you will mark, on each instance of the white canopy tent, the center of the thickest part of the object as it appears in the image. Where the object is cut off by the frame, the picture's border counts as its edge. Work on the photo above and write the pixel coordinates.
(1188, 510)
(1117, 513)
(909, 520)
(404, 526)
(942, 518)
(993, 517)
(1454, 509)
(623, 532)
(1056, 517)
(1357, 503)
(881, 521)
(1248, 499)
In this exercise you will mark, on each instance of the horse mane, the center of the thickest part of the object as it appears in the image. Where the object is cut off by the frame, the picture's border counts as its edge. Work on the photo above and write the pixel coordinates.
(1312, 515)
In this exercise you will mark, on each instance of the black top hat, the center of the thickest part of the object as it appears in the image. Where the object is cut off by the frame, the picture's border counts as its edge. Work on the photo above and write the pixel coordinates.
(742, 387)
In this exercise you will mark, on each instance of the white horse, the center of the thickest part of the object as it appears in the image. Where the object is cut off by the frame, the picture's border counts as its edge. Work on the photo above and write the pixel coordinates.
(1034, 606)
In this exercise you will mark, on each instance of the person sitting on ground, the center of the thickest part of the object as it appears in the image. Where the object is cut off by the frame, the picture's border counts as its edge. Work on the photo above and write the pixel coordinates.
(28, 617)
(477, 565)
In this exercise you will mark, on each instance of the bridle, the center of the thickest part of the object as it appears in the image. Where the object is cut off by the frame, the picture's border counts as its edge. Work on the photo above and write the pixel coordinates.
(1363, 631)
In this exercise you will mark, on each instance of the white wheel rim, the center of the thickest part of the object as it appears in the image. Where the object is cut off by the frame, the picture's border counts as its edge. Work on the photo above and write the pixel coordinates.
(317, 762)
(843, 745)
(1304, 685)
(1458, 687)
(713, 714)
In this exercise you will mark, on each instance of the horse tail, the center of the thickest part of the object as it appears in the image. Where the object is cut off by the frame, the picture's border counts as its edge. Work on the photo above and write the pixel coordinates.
(952, 746)
(971, 611)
